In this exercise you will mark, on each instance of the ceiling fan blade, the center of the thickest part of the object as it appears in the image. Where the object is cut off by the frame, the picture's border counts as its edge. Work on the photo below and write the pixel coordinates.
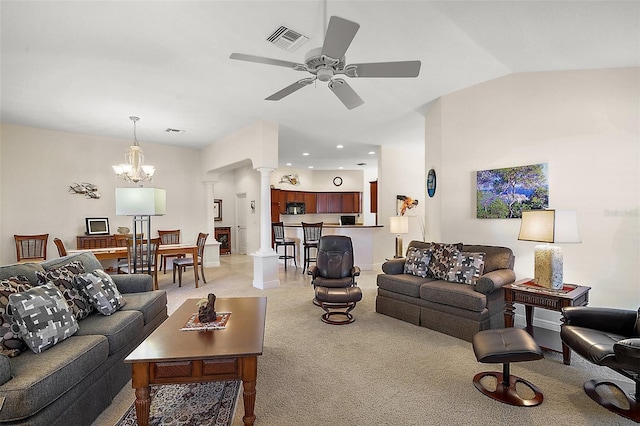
(384, 69)
(267, 61)
(340, 34)
(290, 89)
(345, 93)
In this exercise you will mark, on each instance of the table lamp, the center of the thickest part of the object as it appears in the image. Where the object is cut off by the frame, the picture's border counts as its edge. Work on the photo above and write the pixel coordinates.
(398, 225)
(549, 226)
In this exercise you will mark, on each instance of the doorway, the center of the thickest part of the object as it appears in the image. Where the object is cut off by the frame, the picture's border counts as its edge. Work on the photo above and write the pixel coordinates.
(242, 207)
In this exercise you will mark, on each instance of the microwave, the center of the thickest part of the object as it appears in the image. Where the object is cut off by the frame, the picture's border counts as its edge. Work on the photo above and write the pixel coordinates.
(295, 208)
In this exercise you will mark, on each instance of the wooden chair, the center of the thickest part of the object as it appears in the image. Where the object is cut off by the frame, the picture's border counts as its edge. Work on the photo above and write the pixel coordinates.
(31, 248)
(168, 237)
(144, 260)
(181, 264)
(312, 233)
(62, 251)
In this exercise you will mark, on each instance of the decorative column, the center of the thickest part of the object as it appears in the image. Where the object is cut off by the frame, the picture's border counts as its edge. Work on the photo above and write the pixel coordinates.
(265, 260)
(212, 248)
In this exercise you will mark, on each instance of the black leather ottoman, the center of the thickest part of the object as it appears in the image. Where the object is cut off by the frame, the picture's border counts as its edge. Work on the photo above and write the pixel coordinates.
(505, 346)
(332, 299)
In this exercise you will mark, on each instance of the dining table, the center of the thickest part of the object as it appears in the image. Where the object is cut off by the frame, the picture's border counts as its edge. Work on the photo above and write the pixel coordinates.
(109, 253)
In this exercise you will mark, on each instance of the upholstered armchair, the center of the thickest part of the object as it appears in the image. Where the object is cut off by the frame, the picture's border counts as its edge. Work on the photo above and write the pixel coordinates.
(611, 338)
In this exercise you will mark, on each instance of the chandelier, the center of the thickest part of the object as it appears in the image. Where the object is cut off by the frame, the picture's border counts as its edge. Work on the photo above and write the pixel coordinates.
(134, 170)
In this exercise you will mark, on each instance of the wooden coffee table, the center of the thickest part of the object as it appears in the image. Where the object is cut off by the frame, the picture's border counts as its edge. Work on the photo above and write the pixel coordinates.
(170, 356)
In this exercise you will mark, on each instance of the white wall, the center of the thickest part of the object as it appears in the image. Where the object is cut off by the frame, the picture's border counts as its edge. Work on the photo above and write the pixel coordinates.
(585, 125)
(402, 172)
(38, 166)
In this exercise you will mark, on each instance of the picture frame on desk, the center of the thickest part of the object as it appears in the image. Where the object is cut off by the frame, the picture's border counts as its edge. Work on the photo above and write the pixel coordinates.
(217, 210)
(97, 226)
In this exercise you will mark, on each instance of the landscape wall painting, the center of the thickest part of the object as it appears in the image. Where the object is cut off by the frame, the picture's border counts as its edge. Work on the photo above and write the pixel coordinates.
(505, 193)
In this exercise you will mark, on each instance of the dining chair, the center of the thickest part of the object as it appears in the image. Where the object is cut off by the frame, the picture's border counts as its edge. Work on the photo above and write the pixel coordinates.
(62, 251)
(311, 238)
(280, 241)
(168, 237)
(31, 248)
(181, 264)
(144, 260)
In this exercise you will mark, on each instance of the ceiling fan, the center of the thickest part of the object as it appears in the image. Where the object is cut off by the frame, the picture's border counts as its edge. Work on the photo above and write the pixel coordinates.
(328, 61)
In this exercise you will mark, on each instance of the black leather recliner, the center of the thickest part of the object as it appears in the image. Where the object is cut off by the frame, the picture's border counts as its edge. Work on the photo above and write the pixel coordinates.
(334, 266)
(334, 279)
(609, 337)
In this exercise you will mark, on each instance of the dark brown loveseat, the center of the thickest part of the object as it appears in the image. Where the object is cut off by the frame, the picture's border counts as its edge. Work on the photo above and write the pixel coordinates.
(459, 310)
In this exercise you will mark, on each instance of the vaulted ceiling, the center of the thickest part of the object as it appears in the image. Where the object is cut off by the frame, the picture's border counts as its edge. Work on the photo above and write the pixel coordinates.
(86, 66)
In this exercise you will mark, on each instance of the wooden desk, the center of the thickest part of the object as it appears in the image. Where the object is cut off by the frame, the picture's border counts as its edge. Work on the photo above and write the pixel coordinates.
(121, 252)
(539, 297)
(170, 355)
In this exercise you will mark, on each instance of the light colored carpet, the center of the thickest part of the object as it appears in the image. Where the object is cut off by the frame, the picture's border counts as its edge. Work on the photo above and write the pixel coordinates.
(378, 370)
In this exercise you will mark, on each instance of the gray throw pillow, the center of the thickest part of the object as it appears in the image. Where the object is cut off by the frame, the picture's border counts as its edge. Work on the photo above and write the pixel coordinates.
(441, 259)
(10, 341)
(417, 262)
(99, 287)
(63, 278)
(43, 316)
(466, 267)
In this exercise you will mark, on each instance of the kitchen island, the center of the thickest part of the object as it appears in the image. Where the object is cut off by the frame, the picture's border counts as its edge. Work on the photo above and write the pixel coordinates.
(361, 237)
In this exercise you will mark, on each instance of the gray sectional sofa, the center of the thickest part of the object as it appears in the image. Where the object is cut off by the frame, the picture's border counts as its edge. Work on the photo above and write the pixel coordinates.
(72, 382)
(459, 310)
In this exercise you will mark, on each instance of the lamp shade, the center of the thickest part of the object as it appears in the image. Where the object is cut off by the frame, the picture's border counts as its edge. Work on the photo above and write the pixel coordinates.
(141, 201)
(549, 226)
(399, 224)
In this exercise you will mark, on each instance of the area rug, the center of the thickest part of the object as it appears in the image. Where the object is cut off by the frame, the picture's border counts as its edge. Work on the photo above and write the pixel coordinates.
(211, 403)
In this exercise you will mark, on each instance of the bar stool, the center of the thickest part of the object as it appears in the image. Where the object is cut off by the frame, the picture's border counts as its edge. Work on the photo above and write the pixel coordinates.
(279, 240)
(312, 233)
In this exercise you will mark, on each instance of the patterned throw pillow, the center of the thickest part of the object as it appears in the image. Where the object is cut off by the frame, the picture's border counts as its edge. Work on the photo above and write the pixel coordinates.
(417, 262)
(98, 287)
(43, 316)
(441, 259)
(63, 278)
(10, 342)
(466, 267)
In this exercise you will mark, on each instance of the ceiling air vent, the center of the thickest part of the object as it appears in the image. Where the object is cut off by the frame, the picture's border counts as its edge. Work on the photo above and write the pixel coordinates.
(287, 39)
(170, 130)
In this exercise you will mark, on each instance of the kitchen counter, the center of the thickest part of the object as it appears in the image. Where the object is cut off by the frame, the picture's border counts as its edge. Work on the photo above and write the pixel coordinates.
(361, 238)
(333, 225)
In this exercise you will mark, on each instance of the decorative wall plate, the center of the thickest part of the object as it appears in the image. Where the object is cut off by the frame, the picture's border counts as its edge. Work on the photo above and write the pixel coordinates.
(431, 183)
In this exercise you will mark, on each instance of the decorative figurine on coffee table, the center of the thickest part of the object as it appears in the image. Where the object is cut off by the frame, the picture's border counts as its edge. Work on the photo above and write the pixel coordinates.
(206, 309)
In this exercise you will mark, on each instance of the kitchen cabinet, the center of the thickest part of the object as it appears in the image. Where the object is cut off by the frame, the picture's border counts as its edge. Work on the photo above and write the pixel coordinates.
(373, 189)
(310, 202)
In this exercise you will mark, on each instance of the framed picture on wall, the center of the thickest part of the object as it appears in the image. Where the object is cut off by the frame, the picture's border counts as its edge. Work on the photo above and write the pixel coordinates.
(217, 210)
(97, 225)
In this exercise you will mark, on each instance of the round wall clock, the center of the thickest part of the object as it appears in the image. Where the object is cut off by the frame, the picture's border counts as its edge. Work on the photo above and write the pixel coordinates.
(431, 183)
(337, 181)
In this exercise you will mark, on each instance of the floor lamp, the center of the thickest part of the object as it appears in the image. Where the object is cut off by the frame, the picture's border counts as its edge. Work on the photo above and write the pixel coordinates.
(399, 225)
(549, 226)
(141, 203)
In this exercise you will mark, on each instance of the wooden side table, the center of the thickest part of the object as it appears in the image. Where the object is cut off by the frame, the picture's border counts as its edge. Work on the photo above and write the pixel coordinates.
(532, 296)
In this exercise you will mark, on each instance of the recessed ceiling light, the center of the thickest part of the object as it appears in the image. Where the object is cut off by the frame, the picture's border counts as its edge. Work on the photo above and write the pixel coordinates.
(371, 152)
(288, 164)
(311, 167)
(339, 146)
(305, 153)
(340, 168)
